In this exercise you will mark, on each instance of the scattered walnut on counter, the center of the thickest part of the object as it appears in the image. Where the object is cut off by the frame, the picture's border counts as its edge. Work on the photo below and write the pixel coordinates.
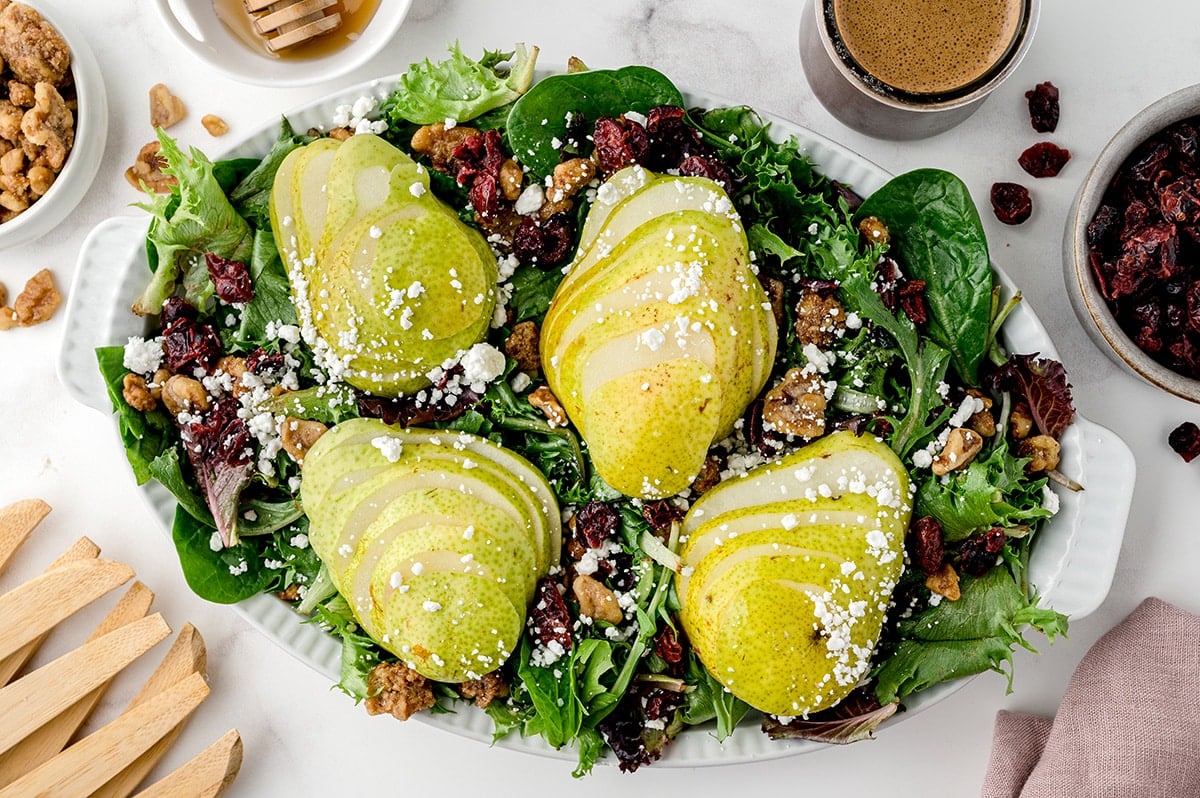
(165, 108)
(35, 304)
(3, 295)
(215, 125)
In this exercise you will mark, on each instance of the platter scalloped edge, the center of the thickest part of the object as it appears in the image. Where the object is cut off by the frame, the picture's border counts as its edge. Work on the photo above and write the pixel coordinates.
(1072, 565)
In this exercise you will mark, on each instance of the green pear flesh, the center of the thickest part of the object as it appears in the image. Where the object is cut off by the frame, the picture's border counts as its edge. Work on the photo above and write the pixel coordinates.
(449, 627)
(787, 572)
(298, 207)
(658, 459)
(664, 251)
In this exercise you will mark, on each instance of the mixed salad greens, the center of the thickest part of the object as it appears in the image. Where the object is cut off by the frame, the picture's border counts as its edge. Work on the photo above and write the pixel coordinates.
(919, 358)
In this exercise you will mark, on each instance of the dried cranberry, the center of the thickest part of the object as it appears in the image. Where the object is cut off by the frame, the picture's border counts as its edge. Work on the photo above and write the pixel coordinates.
(190, 344)
(220, 434)
(1185, 440)
(661, 514)
(707, 166)
(596, 523)
(619, 142)
(1103, 225)
(549, 621)
(911, 296)
(924, 544)
(485, 195)
(480, 154)
(262, 362)
(177, 308)
(767, 442)
(1044, 159)
(1043, 107)
(672, 139)
(1150, 161)
(230, 278)
(435, 404)
(1011, 202)
(978, 553)
(1179, 201)
(546, 243)
(667, 646)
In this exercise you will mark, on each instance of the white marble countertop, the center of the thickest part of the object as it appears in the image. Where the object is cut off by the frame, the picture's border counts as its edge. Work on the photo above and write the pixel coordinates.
(302, 737)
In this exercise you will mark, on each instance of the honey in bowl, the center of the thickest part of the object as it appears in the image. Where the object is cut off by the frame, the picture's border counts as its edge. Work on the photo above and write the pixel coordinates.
(927, 48)
(355, 16)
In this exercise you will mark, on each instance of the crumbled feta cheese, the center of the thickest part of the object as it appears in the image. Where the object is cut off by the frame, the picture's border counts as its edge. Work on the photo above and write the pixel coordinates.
(390, 447)
(142, 356)
(531, 200)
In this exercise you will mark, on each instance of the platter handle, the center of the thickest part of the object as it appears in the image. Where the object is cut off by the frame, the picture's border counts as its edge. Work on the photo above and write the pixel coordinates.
(96, 316)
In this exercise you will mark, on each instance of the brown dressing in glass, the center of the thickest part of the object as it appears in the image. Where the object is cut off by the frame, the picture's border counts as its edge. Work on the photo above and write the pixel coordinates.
(356, 14)
(928, 46)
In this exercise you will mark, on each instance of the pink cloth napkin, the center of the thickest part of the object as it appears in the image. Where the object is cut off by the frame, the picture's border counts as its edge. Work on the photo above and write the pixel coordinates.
(1129, 724)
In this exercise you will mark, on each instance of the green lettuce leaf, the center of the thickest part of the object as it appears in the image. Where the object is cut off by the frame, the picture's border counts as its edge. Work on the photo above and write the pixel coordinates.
(167, 468)
(991, 491)
(185, 227)
(272, 300)
(709, 700)
(964, 637)
(145, 435)
(459, 88)
(251, 197)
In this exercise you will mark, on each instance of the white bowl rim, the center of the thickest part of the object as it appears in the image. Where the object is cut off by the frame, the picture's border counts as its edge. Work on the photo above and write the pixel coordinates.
(91, 133)
(249, 67)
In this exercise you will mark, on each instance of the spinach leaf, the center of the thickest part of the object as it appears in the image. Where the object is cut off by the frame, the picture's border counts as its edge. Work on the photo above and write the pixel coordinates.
(167, 468)
(145, 435)
(225, 576)
(459, 88)
(936, 229)
(964, 637)
(272, 302)
(533, 288)
(537, 118)
(251, 197)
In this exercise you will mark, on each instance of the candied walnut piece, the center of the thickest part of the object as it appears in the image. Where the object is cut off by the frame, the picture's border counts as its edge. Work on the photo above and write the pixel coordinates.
(796, 406)
(511, 178)
(925, 545)
(10, 122)
(20, 94)
(157, 381)
(340, 133)
(33, 50)
(147, 171)
(874, 231)
(1042, 451)
(236, 368)
(180, 393)
(165, 108)
(961, 448)
(3, 295)
(1185, 440)
(595, 600)
(298, 436)
(484, 690)
(439, 143)
(569, 177)
(215, 125)
(397, 690)
(41, 178)
(13, 161)
(8, 319)
(136, 394)
(37, 301)
(1044, 159)
(820, 319)
(944, 582)
(290, 593)
(545, 400)
(522, 346)
(50, 125)
(1011, 202)
(1020, 421)
(1043, 107)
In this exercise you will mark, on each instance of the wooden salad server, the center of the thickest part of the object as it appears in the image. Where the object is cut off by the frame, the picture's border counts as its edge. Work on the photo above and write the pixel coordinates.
(286, 23)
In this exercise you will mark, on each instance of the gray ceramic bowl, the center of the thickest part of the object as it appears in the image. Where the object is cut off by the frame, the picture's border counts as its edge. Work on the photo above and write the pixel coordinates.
(1085, 297)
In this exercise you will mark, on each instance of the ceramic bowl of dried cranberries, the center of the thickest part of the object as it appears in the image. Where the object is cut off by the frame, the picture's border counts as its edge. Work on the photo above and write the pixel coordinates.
(1132, 245)
(53, 118)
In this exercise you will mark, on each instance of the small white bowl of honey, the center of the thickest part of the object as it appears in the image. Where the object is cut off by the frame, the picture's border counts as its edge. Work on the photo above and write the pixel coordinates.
(283, 42)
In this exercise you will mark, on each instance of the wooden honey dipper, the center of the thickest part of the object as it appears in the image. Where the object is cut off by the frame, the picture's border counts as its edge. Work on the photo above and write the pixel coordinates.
(286, 23)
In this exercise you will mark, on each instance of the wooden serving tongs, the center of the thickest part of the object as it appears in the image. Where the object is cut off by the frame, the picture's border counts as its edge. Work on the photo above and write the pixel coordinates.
(286, 23)
(42, 711)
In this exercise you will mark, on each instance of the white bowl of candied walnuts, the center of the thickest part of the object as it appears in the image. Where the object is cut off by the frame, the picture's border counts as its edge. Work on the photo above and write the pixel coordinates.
(53, 119)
